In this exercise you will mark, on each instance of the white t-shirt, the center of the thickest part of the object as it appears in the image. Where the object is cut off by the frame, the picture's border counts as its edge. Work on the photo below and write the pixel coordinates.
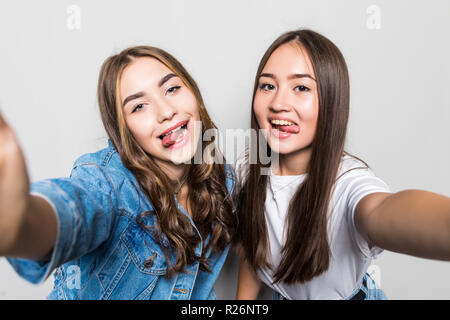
(350, 252)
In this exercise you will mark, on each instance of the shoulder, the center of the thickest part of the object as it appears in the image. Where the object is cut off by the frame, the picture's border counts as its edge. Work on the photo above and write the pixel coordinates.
(351, 166)
(104, 157)
(353, 170)
(104, 163)
(355, 179)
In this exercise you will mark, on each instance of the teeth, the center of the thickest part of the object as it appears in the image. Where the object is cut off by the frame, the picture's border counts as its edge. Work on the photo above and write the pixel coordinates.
(281, 122)
(181, 136)
(174, 130)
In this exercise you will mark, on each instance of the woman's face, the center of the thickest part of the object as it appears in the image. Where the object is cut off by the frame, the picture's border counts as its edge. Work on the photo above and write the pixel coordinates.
(286, 102)
(160, 111)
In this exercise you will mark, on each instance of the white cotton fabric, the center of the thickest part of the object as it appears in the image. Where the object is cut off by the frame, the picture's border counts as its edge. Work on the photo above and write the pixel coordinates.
(350, 252)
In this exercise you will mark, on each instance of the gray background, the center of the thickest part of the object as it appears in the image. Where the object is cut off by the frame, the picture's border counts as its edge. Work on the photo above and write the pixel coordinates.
(400, 101)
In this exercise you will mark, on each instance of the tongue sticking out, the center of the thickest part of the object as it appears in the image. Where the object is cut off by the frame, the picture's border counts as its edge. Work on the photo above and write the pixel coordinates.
(291, 129)
(170, 139)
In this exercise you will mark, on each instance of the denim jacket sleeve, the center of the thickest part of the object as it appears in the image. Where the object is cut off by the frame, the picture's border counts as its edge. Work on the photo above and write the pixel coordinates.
(85, 206)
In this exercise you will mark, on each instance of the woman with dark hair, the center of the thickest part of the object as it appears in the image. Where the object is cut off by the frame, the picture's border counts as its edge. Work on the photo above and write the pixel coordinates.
(138, 219)
(310, 228)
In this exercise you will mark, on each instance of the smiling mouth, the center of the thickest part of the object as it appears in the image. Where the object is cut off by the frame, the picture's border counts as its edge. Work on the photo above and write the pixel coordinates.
(175, 135)
(285, 126)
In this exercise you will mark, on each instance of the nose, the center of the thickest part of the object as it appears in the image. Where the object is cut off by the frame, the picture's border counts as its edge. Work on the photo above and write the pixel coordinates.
(281, 101)
(166, 111)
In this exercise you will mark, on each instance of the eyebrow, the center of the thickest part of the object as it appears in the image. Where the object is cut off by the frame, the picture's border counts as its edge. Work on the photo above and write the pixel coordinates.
(166, 78)
(140, 94)
(292, 76)
(132, 97)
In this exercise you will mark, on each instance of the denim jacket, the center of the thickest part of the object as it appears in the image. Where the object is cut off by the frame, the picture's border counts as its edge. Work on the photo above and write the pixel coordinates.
(100, 251)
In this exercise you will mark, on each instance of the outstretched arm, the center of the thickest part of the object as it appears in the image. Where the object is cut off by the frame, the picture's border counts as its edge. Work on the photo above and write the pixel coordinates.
(36, 235)
(27, 223)
(413, 222)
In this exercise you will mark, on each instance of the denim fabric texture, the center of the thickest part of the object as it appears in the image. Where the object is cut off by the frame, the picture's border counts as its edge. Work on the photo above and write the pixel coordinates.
(100, 251)
(371, 290)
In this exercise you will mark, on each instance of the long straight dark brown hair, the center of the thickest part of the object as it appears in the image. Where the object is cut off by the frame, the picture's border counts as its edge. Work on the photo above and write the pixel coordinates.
(207, 190)
(306, 253)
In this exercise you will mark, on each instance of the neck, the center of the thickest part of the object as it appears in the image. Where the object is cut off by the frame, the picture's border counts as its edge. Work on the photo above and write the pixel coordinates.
(294, 163)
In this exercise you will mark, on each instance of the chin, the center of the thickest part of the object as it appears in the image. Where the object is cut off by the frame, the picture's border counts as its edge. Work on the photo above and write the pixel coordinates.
(184, 154)
(287, 149)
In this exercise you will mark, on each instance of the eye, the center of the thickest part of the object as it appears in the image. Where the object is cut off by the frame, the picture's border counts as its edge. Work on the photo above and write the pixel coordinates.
(301, 88)
(266, 86)
(173, 89)
(138, 107)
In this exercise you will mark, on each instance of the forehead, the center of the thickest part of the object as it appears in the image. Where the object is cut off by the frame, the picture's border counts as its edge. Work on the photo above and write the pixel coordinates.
(142, 72)
(287, 59)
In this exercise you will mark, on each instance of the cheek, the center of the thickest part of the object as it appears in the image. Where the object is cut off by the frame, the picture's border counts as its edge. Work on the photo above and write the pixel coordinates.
(308, 111)
(188, 103)
(195, 112)
(141, 127)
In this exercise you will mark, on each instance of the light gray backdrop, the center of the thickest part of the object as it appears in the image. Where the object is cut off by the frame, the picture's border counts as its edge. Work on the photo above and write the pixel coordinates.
(397, 51)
